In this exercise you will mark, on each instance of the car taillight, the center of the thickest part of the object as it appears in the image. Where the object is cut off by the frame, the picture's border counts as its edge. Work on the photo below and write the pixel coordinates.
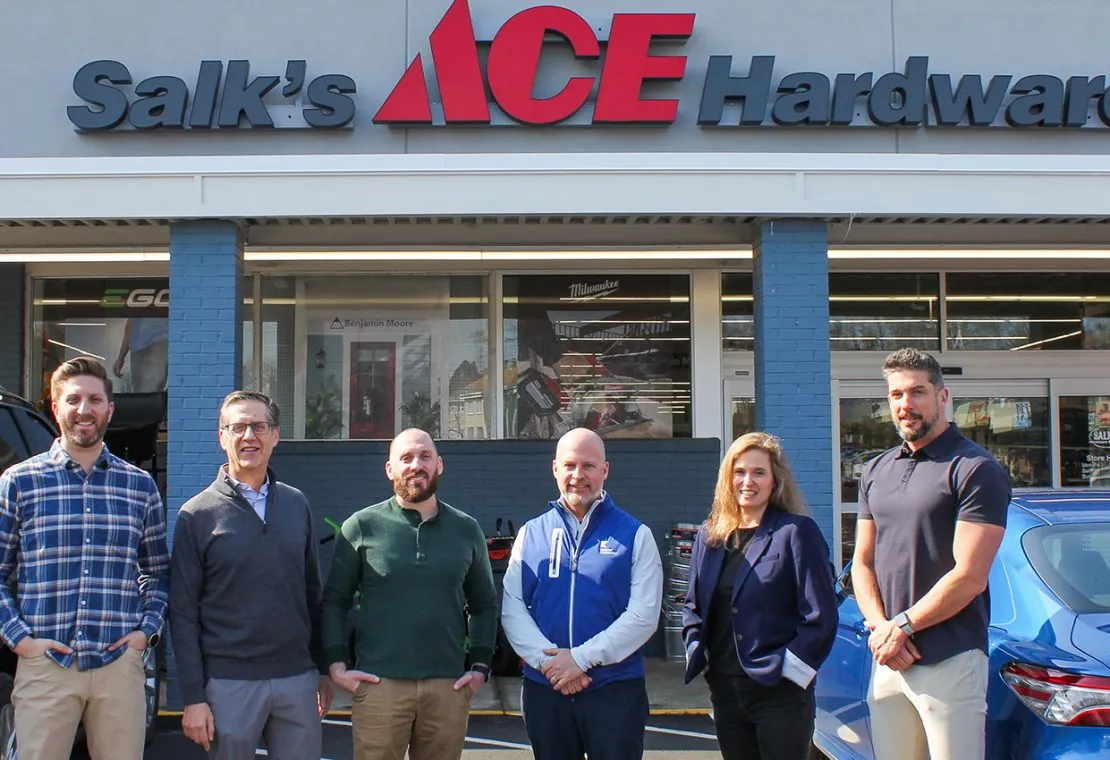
(1066, 699)
(496, 555)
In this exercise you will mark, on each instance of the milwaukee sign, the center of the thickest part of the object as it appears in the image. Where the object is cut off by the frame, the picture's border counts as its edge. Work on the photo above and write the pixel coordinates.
(628, 60)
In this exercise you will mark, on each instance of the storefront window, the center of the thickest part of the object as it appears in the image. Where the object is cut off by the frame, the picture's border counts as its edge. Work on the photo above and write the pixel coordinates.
(122, 322)
(737, 312)
(378, 353)
(872, 312)
(1036, 311)
(1014, 430)
(1085, 441)
(610, 353)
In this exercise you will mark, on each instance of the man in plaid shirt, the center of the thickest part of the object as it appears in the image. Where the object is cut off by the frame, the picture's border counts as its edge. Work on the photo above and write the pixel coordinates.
(84, 576)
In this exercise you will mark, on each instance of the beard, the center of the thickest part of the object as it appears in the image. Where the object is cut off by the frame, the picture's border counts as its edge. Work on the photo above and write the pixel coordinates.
(580, 500)
(81, 437)
(409, 491)
(926, 427)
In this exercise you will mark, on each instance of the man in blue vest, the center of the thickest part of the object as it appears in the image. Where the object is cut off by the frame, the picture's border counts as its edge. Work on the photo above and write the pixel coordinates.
(581, 597)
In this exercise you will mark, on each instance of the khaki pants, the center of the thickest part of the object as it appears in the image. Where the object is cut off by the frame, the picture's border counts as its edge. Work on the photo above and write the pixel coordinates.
(50, 701)
(427, 716)
(930, 712)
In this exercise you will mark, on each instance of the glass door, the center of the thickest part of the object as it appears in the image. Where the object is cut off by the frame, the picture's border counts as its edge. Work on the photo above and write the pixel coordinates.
(1010, 419)
(739, 409)
(865, 429)
(1082, 447)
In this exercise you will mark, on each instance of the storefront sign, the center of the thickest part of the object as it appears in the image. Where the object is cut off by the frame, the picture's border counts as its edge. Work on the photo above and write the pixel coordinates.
(1100, 438)
(912, 97)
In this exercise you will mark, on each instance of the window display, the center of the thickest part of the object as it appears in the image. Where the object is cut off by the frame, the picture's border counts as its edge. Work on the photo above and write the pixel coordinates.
(610, 353)
(1085, 441)
(124, 323)
(377, 354)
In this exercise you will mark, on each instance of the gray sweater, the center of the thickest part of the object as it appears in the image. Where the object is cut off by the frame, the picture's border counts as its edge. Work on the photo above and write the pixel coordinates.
(244, 594)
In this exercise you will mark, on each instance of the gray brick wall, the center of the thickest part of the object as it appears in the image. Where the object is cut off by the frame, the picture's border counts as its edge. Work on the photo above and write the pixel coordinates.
(13, 329)
(793, 360)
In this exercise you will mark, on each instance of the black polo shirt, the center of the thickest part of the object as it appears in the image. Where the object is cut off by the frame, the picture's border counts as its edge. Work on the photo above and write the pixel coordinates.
(915, 499)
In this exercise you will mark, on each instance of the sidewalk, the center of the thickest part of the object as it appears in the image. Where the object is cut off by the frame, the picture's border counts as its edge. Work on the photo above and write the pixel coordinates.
(666, 693)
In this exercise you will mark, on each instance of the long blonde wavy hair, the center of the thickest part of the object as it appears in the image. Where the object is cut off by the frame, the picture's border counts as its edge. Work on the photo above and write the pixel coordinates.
(724, 517)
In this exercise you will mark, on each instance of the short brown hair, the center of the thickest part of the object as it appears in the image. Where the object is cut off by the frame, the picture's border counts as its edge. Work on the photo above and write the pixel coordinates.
(82, 365)
(912, 360)
(273, 413)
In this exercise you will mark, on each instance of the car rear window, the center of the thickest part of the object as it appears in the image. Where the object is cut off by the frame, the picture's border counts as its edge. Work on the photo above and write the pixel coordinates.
(1074, 561)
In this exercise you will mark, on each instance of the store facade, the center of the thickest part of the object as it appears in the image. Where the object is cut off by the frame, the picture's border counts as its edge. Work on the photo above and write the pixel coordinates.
(669, 223)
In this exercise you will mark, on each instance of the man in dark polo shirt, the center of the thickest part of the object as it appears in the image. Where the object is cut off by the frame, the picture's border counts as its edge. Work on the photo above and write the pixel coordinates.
(422, 570)
(932, 514)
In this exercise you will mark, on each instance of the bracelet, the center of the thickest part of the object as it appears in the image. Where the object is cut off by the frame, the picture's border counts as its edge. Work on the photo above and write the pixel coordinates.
(483, 670)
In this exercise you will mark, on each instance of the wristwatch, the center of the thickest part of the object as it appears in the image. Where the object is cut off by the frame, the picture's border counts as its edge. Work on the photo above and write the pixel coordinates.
(152, 640)
(483, 670)
(902, 620)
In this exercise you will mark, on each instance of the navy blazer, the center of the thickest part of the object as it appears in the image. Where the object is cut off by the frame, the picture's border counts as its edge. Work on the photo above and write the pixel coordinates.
(783, 598)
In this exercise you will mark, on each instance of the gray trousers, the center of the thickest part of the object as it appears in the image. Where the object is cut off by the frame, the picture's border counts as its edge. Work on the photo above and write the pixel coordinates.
(281, 711)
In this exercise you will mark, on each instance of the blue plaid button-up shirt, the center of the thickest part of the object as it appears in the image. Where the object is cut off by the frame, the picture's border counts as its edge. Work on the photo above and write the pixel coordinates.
(83, 556)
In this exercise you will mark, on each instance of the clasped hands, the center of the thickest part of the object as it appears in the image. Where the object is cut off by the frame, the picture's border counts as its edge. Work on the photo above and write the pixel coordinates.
(564, 673)
(891, 646)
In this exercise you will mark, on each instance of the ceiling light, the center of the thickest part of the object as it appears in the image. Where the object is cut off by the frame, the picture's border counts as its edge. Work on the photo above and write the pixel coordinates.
(1043, 254)
(82, 257)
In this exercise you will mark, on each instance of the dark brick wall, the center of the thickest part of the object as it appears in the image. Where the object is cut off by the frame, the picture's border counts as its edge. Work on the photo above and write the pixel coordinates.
(12, 332)
(660, 482)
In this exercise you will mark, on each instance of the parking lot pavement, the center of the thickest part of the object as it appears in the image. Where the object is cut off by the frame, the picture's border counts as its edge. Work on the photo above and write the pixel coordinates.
(490, 737)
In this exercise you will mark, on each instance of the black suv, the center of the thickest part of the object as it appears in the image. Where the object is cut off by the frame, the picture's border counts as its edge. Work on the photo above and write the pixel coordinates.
(24, 432)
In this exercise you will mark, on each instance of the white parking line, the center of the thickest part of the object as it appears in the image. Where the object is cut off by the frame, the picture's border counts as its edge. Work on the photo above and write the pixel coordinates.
(499, 743)
(677, 732)
(264, 753)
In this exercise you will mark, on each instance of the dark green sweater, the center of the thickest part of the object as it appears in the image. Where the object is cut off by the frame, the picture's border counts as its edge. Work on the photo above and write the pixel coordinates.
(418, 584)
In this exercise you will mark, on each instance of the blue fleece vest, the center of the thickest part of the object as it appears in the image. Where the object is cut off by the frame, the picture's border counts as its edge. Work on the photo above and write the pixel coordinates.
(596, 572)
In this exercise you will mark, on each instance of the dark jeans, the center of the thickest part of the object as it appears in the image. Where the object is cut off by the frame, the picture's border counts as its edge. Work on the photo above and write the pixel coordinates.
(606, 723)
(757, 722)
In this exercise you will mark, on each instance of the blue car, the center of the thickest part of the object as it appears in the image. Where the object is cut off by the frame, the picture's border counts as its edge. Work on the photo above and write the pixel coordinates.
(1049, 689)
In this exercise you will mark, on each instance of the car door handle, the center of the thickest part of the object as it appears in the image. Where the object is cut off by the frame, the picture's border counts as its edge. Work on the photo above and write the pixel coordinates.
(860, 627)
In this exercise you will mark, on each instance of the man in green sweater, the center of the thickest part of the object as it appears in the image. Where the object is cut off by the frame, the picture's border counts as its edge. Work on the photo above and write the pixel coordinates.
(423, 574)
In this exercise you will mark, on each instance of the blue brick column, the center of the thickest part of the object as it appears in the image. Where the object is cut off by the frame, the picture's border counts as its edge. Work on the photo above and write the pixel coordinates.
(206, 350)
(792, 359)
(12, 329)
(206, 357)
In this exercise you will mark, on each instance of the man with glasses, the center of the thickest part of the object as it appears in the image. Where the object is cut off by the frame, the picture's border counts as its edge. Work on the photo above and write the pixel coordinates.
(245, 601)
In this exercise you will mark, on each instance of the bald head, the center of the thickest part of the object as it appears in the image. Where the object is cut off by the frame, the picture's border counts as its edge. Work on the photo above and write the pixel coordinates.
(580, 469)
(581, 439)
(414, 466)
(411, 436)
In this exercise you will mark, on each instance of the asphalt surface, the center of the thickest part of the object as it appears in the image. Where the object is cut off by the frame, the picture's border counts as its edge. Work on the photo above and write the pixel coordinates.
(669, 737)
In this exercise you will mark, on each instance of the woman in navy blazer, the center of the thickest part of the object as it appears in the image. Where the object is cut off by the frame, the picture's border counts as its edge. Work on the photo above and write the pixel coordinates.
(761, 610)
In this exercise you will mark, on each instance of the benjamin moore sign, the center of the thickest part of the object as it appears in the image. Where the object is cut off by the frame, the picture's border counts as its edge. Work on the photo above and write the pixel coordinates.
(229, 98)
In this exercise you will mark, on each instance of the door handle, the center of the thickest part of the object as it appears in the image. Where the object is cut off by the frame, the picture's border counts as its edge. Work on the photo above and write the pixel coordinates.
(860, 627)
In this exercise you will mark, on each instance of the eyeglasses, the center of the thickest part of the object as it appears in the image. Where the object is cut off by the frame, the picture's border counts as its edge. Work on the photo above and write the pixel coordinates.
(240, 428)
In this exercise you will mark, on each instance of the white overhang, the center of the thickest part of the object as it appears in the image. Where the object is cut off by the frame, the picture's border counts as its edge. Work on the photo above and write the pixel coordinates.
(1056, 187)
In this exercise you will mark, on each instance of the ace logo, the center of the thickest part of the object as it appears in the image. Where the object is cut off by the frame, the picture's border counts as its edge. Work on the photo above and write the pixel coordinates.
(512, 63)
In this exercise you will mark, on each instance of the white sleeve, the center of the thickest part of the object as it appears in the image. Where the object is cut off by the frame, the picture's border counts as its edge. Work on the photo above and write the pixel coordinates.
(517, 622)
(638, 622)
(794, 669)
